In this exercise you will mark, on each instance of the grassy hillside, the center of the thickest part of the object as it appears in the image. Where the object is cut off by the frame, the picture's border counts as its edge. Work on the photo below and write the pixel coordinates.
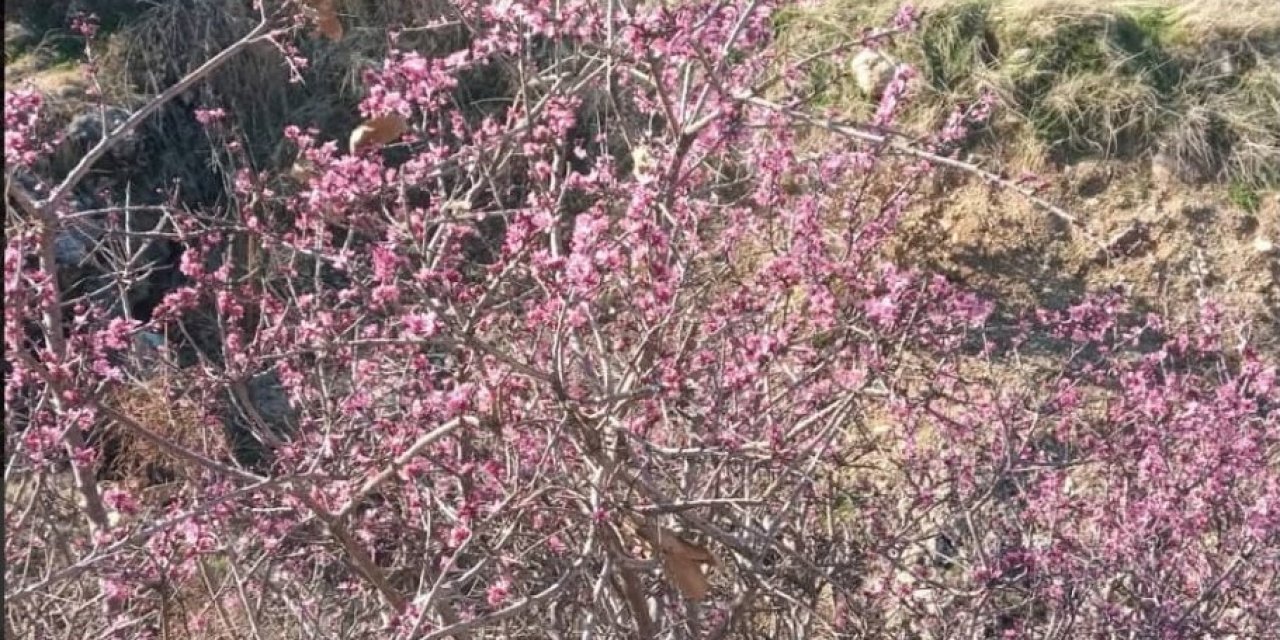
(1195, 83)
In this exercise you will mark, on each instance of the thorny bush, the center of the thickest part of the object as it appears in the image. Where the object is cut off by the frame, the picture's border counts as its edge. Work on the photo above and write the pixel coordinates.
(616, 357)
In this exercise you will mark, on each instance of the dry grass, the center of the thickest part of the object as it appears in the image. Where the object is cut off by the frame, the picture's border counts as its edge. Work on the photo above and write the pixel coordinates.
(139, 463)
(1110, 78)
(34, 68)
(1247, 18)
(1081, 79)
(63, 87)
(1198, 17)
(172, 38)
(1091, 113)
(1252, 114)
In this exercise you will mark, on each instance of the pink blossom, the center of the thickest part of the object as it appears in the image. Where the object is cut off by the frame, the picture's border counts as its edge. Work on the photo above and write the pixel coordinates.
(208, 117)
(121, 501)
(458, 535)
(907, 18)
(498, 592)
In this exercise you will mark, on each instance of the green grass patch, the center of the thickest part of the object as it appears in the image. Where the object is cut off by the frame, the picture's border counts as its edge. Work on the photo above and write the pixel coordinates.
(1244, 197)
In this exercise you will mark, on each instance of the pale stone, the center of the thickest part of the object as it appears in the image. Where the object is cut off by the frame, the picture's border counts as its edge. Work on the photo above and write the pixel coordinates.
(872, 71)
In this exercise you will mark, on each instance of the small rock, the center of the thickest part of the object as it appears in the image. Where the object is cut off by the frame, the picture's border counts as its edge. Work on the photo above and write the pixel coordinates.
(1163, 171)
(944, 551)
(644, 165)
(1127, 242)
(1264, 246)
(72, 247)
(1246, 224)
(149, 341)
(269, 401)
(1227, 66)
(86, 130)
(18, 38)
(272, 400)
(872, 71)
(72, 91)
(148, 348)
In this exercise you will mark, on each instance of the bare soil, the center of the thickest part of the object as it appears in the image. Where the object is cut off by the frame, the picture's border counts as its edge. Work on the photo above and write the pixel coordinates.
(1171, 246)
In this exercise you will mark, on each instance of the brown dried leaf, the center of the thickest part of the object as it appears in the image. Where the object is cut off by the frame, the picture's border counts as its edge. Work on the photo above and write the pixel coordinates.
(681, 560)
(330, 27)
(327, 22)
(669, 542)
(378, 131)
(687, 576)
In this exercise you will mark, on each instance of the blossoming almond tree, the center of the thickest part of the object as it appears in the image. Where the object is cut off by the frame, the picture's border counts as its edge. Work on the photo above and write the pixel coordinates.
(618, 358)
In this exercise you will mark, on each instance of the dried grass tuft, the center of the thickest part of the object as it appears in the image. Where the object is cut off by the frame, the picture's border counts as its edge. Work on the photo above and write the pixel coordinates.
(171, 39)
(139, 463)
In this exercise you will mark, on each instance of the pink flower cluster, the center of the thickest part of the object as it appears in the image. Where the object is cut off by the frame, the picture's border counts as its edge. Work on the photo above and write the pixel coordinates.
(21, 115)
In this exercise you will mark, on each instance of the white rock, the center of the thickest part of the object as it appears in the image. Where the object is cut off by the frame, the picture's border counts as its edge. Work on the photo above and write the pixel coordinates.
(872, 71)
(1021, 56)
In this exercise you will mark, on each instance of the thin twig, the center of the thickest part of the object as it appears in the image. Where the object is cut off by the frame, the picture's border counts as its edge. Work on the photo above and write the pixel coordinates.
(463, 628)
(902, 147)
(423, 442)
(143, 534)
(78, 173)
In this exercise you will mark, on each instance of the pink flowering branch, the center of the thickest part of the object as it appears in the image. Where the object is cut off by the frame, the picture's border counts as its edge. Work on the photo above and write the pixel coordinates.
(853, 132)
(399, 463)
(106, 553)
(610, 355)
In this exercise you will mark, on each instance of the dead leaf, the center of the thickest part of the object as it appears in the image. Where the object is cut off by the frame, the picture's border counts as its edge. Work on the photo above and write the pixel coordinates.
(327, 22)
(681, 560)
(687, 576)
(378, 131)
(670, 543)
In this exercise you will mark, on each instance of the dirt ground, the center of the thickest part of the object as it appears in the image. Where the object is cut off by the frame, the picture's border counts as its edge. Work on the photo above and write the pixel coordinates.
(1171, 245)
